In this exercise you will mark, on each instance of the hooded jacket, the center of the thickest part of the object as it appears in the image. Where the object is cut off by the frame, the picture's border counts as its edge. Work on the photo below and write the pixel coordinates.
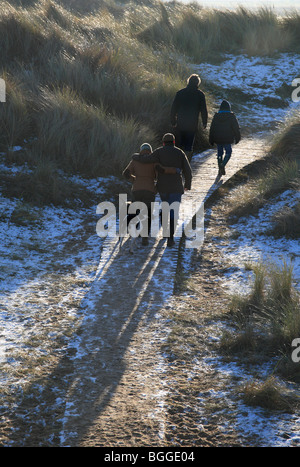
(187, 104)
(142, 175)
(224, 127)
(170, 156)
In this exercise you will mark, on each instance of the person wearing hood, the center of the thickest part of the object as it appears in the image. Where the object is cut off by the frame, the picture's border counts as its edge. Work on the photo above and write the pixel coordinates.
(187, 105)
(224, 131)
(143, 177)
(174, 175)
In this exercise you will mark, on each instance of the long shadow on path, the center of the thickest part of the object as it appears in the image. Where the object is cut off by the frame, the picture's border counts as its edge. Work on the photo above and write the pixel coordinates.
(125, 296)
(105, 386)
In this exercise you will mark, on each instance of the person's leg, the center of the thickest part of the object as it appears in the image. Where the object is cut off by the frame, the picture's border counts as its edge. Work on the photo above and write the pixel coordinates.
(146, 197)
(228, 152)
(164, 198)
(186, 142)
(220, 151)
(174, 198)
(179, 138)
(171, 198)
(189, 144)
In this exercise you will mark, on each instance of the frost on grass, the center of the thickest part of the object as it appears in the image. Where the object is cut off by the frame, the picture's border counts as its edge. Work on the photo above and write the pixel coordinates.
(48, 260)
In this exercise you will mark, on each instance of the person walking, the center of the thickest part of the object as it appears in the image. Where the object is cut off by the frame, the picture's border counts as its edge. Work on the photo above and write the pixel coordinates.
(224, 131)
(143, 178)
(172, 164)
(187, 105)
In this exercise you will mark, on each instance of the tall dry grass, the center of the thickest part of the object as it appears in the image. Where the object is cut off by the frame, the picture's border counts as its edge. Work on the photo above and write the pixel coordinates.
(275, 176)
(268, 318)
(279, 171)
(88, 82)
(83, 138)
(286, 222)
(80, 87)
(286, 142)
(202, 33)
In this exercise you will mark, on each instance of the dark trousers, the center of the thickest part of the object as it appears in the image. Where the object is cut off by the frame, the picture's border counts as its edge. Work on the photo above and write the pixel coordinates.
(228, 151)
(146, 197)
(171, 198)
(186, 140)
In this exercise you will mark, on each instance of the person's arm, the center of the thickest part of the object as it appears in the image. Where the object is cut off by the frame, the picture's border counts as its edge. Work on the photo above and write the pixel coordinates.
(167, 170)
(211, 132)
(236, 130)
(174, 111)
(203, 110)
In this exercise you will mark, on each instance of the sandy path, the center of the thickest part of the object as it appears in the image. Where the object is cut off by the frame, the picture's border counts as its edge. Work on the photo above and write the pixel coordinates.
(118, 390)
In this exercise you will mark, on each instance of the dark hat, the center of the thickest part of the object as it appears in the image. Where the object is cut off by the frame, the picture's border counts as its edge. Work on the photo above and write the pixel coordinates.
(225, 105)
(168, 138)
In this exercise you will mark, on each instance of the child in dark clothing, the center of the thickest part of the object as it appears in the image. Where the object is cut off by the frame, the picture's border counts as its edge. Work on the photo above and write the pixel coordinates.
(224, 131)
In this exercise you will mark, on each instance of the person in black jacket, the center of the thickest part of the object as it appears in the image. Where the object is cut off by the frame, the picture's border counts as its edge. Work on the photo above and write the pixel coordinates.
(188, 103)
(170, 185)
(224, 131)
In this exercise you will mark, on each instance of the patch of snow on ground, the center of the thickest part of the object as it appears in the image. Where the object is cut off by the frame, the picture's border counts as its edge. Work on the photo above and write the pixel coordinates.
(253, 245)
(30, 256)
(266, 428)
(260, 80)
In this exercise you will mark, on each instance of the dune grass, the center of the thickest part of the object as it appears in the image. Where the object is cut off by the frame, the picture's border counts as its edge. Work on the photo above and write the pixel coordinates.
(80, 87)
(203, 33)
(88, 82)
(286, 142)
(277, 172)
(269, 394)
(286, 222)
(276, 176)
(267, 320)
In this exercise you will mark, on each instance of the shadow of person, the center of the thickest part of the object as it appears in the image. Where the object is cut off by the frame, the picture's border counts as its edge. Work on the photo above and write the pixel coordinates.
(80, 396)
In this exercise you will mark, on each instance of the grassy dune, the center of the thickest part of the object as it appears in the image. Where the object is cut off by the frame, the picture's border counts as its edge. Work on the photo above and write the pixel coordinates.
(81, 88)
(88, 82)
(204, 33)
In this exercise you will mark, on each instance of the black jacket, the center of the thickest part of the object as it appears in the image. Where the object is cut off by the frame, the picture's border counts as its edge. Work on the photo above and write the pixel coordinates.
(224, 129)
(187, 105)
(171, 156)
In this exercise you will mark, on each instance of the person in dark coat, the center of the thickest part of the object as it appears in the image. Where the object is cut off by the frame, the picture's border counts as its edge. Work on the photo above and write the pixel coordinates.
(143, 177)
(171, 186)
(224, 131)
(188, 103)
